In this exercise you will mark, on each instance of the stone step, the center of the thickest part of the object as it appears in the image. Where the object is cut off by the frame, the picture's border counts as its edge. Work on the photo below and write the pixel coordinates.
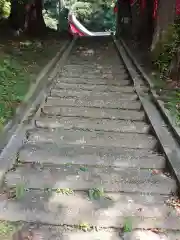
(109, 179)
(94, 67)
(47, 232)
(93, 63)
(91, 54)
(98, 81)
(93, 74)
(98, 57)
(97, 88)
(89, 60)
(96, 101)
(55, 92)
(90, 156)
(58, 209)
(94, 138)
(95, 50)
(94, 113)
(94, 53)
(92, 124)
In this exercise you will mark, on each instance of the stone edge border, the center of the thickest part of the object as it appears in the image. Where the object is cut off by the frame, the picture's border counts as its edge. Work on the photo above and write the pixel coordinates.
(22, 110)
(167, 141)
(166, 113)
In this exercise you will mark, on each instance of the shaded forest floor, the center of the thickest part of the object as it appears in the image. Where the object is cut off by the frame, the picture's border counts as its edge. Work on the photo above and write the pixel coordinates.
(21, 59)
(167, 89)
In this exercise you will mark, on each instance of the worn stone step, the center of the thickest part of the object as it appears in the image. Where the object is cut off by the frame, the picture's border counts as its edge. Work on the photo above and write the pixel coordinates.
(96, 138)
(94, 113)
(93, 74)
(110, 55)
(105, 63)
(45, 153)
(97, 81)
(90, 54)
(96, 59)
(49, 208)
(94, 53)
(57, 209)
(47, 232)
(97, 88)
(55, 92)
(94, 67)
(96, 101)
(92, 124)
(110, 179)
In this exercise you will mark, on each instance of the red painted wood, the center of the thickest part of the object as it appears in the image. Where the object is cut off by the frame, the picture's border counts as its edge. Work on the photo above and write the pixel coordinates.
(75, 31)
(143, 5)
(178, 7)
(155, 8)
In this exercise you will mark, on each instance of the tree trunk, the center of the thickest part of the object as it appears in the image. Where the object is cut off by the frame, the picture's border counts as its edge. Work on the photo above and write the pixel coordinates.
(34, 21)
(17, 15)
(27, 16)
(39, 16)
(147, 24)
(165, 16)
(124, 18)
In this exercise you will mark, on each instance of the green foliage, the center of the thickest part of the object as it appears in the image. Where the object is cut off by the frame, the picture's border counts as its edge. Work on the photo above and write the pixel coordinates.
(95, 15)
(128, 225)
(66, 191)
(83, 169)
(166, 56)
(167, 49)
(7, 229)
(83, 10)
(172, 103)
(95, 193)
(11, 91)
(50, 13)
(19, 64)
(20, 191)
(50, 21)
(4, 8)
(84, 227)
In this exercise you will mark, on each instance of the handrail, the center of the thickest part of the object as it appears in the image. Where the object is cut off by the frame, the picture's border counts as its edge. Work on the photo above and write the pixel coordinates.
(82, 31)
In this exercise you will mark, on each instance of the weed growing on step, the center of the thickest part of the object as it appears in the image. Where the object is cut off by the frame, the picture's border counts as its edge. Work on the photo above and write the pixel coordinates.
(7, 230)
(84, 227)
(96, 193)
(20, 191)
(127, 225)
(83, 169)
(66, 191)
(48, 190)
(16, 193)
(68, 164)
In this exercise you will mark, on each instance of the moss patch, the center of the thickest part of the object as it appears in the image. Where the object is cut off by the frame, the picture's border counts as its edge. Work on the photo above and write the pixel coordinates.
(7, 229)
(20, 61)
(167, 84)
